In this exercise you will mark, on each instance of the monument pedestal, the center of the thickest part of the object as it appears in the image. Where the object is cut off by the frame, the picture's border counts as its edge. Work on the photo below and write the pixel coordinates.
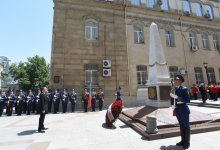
(159, 95)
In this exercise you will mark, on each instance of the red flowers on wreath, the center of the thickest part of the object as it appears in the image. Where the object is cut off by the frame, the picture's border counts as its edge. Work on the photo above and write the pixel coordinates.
(116, 108)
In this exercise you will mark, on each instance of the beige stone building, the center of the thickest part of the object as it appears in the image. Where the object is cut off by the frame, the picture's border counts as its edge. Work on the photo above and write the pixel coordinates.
(86, 32)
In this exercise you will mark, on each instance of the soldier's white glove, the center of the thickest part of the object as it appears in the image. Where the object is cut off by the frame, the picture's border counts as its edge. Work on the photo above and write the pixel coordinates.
(43, 111)
(173, 95)
(173, 107)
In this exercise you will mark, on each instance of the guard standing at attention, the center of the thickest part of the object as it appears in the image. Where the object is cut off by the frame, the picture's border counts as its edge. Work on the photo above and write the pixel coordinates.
(179, 100)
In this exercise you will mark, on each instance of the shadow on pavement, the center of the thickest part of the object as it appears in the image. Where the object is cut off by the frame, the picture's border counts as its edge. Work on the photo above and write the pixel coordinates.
(106, 127)
(171, 147)
(124, 126)
(27, 132)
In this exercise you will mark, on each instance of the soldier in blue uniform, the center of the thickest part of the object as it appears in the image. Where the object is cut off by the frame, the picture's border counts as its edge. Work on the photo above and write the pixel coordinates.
(182, 111)
(10, 102)
(73, 97)
(21, 100)
(29, 101)
(35, 104)
(3, 99)
(50, 99)
(56, 100)
(65, 99)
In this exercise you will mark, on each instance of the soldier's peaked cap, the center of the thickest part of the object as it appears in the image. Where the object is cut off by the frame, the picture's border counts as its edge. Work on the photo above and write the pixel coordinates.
(179, 77)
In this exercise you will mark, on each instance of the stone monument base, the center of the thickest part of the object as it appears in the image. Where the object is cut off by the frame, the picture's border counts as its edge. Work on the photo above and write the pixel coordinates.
(167, 124)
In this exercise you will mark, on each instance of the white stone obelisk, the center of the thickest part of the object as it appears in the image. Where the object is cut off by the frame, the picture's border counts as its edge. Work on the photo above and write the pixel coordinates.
(158, 75)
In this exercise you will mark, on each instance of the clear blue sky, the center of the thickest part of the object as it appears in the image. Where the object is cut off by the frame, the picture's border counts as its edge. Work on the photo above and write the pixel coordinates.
(26, 29)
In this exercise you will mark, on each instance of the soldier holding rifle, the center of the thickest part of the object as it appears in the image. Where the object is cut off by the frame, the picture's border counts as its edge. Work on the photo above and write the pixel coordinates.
(179, 99)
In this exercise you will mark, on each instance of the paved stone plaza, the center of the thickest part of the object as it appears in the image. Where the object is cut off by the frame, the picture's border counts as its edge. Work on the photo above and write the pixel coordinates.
(86, 131)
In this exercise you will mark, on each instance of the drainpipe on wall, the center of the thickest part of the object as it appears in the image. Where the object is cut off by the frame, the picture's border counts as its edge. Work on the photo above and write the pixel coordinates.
(125, 18)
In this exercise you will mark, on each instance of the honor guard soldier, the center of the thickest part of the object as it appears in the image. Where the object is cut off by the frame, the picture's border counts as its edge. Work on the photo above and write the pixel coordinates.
(179, 100)
(100, 98)
(21, 100)
(73, 97)
(3, 99)
(50, 99)
(85, 97)
(56, 100)
(35, 104)
(65, 99)
(16, 101)
(29, 101)
(94, 95)
(10, 103)
(24, 108)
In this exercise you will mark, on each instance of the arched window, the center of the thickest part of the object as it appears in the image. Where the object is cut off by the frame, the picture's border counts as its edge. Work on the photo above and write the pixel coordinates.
(165, 5)
(135, 2)
(91, 29)
(205, 41)
(216, 42)
(208, 11)
(186, 6)
(198, 9)
(150, 3)
(138, 34)
(192, 39)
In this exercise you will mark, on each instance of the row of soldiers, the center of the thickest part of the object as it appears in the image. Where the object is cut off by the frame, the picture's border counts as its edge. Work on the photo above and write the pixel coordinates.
(27, 103)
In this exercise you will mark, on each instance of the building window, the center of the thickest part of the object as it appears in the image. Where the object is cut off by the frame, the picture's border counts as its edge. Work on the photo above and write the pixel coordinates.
(56, 79)
(186, 6)
(138, 35)
(192, 39)
(207, 11)
(165, 5)
(198, 9)
(135, 2)
(216, 42)
(173, 71)
(211, 75)
(198, 75)
(169, 38)
(91, 74)
(141, 74)
(205, 42)
(91, 30)
(150, 3)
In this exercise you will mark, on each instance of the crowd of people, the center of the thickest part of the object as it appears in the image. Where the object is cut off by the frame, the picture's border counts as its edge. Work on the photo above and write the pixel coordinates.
(21, 102)
(211, 91)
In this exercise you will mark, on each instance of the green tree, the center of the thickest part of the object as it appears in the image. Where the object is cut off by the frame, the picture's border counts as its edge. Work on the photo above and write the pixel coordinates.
(32, 74)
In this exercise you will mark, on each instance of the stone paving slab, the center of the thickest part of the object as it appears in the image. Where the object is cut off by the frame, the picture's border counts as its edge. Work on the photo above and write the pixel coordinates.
(86, 131)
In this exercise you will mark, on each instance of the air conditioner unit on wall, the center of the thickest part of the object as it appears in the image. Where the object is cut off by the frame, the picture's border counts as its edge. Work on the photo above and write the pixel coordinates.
(106, 63)
(107, 72)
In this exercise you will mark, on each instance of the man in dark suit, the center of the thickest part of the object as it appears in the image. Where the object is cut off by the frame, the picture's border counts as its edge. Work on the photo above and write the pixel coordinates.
(43, 102)
(179, 100)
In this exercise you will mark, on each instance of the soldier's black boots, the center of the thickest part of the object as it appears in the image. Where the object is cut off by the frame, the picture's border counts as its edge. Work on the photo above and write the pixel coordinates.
(181, 143)
(187, 138)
